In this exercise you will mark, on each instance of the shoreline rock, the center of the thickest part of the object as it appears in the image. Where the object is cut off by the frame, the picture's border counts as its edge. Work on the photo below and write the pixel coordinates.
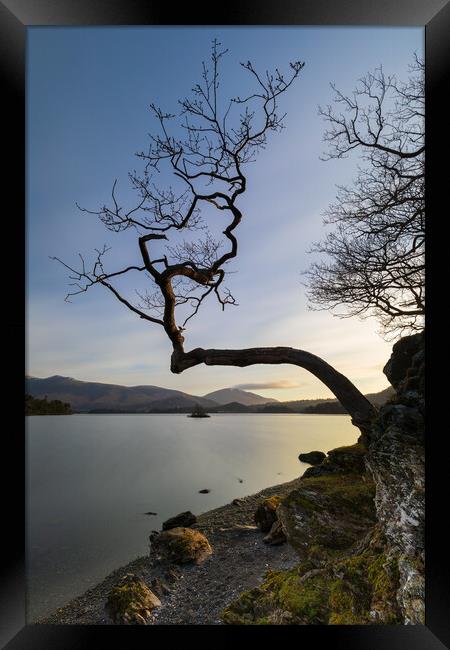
(184, 519)
(180, 546)
(131, 602)
(312, 457)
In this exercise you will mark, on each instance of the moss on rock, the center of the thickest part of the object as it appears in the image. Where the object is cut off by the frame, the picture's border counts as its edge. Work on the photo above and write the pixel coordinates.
(332, 511)
(131, 602)
(346, 575)
(285, 597)
(348, 459)
(357, 589)
(180, 546)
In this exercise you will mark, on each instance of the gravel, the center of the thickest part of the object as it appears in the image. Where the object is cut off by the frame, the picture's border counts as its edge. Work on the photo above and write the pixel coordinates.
(196, 594)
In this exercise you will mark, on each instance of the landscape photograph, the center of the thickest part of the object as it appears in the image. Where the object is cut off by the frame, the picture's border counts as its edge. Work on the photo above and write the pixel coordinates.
(225, 304)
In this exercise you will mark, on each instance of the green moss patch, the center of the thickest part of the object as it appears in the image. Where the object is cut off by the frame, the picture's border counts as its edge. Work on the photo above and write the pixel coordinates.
(355, 590)
(332, 511)
(344, 576)
(131, 602)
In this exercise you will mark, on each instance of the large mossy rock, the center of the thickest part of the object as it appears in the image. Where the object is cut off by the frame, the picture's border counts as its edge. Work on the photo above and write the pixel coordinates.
(131, 602)
(266, 513)
(350, 458)
(340, 460)
(184, 520)
(333, 511)
(180, 546)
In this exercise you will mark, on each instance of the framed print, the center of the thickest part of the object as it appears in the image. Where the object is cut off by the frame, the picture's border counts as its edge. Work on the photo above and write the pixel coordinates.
(224, 269)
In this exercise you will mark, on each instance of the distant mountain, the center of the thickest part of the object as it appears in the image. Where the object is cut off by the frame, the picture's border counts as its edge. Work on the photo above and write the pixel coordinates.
(84, 396)
(229, 395)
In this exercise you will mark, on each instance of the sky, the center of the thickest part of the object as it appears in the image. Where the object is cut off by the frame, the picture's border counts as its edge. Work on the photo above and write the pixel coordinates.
(88, 97)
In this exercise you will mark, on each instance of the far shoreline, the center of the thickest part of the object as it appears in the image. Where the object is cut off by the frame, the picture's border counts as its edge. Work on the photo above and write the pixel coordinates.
(181, 414)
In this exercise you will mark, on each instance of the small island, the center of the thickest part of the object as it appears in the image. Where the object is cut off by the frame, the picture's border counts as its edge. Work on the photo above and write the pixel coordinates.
(35, 406)
(199, 412)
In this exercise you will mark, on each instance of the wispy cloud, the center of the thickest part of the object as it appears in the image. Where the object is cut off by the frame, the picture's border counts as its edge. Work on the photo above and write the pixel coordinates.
(281, 383)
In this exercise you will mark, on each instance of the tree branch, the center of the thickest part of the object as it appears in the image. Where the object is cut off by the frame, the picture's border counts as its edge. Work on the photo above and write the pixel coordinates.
(360, 409)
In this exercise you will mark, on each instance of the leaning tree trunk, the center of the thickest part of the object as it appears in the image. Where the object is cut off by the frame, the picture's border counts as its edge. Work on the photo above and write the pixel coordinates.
(360, 409)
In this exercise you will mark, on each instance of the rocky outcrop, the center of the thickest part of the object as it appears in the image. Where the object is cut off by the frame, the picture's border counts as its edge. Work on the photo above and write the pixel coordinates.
(179, 546)
(332, 512)
(312, 457)
(396, 459)
(184, 519)
(408, 353)
(131, 602)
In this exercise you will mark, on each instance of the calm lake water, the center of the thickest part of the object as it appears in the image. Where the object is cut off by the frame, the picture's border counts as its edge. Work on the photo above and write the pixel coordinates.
(92, 478)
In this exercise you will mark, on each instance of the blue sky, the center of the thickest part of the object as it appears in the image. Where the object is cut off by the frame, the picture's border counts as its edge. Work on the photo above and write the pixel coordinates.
(88, 95)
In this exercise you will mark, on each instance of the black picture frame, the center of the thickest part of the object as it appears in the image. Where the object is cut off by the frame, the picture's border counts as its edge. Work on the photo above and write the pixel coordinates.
(15, 17)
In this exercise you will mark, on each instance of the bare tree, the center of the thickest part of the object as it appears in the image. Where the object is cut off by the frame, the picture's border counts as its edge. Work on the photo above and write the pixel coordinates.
(207, 151)
(375, 255)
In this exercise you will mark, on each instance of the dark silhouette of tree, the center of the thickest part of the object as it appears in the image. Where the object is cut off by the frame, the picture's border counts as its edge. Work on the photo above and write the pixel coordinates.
(36, 406)
(206, 148)
(374, 263)
(199, 412)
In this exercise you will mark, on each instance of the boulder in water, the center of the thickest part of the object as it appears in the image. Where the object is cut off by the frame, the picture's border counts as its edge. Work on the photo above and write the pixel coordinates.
(184, 519)
(312, 457)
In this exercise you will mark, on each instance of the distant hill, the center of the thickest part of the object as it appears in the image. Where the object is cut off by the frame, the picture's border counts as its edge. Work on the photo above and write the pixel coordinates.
(234, 407)
(298, 405)
(276, 408)
(332, 408)
(85, 396)
(229, 395)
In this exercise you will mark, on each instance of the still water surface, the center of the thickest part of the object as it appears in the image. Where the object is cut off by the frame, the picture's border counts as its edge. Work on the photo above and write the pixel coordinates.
(92, 478)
